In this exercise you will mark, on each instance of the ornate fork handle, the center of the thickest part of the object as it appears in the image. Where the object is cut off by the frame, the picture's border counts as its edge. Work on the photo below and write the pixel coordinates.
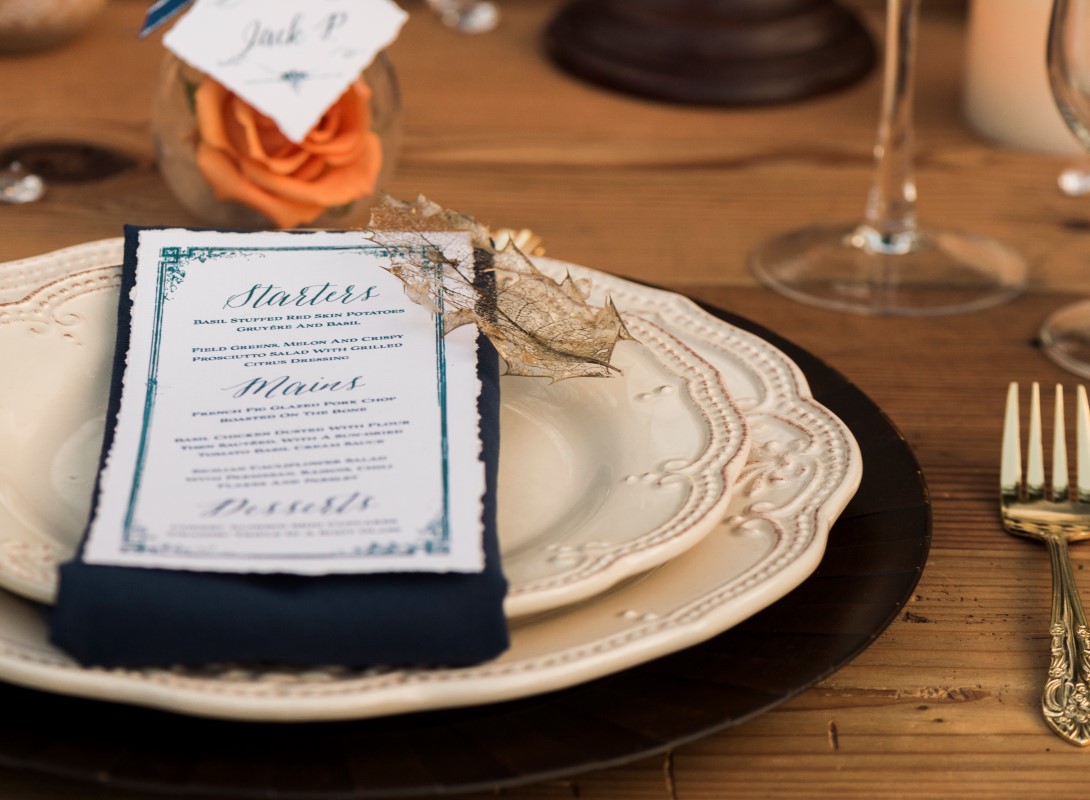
(1066, 698)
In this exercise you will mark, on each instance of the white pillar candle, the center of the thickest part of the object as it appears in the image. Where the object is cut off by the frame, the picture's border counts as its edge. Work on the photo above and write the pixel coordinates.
(1007, 97)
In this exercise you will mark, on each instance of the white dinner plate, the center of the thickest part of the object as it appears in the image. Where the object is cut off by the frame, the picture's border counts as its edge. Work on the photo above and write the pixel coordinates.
(803, 466)
(600, 479)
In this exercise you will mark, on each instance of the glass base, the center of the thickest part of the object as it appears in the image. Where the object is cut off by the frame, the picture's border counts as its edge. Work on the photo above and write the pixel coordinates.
(1065, 338)
(924, 273)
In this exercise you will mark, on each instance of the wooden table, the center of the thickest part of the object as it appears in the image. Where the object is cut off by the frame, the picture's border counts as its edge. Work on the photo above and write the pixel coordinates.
(945, 703)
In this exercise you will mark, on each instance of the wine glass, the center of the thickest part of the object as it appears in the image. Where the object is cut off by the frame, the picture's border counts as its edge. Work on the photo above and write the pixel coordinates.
(1065, 336)
(887, 263)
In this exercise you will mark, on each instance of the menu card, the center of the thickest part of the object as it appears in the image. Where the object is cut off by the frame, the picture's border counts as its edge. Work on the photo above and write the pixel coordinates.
(286, 408)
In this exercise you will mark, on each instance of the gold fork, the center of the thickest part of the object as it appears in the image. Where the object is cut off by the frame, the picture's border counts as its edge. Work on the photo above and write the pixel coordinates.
(1032, 508)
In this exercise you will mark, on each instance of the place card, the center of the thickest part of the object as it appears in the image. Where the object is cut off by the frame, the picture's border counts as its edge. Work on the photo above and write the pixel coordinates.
(289, 59)
(286, 408)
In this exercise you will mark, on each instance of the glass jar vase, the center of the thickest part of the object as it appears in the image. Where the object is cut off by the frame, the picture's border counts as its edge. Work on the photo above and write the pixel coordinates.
(232, 167)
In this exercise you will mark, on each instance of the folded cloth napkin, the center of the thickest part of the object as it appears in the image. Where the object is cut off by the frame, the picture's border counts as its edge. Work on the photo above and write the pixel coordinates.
(134, 617)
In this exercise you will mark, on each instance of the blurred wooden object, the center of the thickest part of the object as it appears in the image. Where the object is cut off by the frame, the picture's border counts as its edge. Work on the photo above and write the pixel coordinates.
(717, 52)
(39, 24)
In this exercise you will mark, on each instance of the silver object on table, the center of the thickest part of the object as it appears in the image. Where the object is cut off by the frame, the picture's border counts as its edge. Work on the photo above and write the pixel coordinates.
(19, 186)
(1074, 181)
(467, 16)
(1032, 508)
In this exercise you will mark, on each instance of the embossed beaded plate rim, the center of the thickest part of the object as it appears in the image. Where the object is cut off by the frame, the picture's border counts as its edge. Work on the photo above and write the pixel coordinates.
(583, 503)
(803, 468)
(873, 559)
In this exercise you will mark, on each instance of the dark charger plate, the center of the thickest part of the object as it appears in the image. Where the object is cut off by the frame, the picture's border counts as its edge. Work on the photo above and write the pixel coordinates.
(874, 557)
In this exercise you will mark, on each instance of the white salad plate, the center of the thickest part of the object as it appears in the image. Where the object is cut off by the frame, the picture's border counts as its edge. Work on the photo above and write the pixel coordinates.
(802, 466)
(600, 479)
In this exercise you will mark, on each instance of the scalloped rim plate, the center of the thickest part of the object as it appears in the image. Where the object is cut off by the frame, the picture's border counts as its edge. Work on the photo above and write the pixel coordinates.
(803, 467)
(583, 503)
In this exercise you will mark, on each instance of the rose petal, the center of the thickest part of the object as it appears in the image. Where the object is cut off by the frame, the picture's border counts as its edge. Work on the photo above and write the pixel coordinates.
(248, 139)
(352, 113)
(326, 128)
(335, 186)
(311, 170)
(228, 183)
(209, 101)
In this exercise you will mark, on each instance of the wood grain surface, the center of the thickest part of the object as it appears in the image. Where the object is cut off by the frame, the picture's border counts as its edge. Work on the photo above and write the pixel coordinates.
(945, 703)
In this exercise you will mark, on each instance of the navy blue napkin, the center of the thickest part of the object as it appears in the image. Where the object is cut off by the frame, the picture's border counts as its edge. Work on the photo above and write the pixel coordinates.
(133, 617)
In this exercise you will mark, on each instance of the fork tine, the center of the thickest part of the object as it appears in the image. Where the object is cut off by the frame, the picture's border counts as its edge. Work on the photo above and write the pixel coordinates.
(1059, 450)
(1035, 457)
(1082, 440)
(1010, 467)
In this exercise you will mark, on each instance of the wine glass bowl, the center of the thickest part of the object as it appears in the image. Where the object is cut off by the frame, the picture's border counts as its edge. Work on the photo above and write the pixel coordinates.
(1067, 58)
(889, 264)
(1065, 335)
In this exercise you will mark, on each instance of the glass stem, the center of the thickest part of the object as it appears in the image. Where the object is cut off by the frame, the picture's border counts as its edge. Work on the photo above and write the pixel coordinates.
(890, 215)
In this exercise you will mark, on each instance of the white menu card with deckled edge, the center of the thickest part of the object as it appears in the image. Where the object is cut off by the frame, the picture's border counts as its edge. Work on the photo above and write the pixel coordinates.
(289, 59)
(286, 408)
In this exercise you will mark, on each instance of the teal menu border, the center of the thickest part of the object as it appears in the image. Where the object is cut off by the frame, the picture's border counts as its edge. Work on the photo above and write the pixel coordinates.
(170, 274)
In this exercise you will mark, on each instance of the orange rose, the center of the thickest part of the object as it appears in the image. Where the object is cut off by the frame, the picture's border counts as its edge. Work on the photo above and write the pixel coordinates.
(244, 156)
